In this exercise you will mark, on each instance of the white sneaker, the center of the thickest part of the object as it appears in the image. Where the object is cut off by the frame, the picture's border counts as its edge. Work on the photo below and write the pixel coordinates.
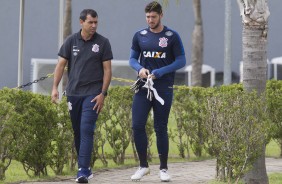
(164, 175)
(142, 171)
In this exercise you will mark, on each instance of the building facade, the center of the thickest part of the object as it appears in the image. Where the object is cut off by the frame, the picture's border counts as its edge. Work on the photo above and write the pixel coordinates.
(118, 21)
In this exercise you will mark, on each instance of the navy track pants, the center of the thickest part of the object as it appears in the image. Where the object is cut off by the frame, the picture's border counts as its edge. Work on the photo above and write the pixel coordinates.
(83, 119)
(140, 109)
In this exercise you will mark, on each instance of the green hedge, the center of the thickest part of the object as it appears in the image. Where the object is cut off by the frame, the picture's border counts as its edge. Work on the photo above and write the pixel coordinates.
(225, 122)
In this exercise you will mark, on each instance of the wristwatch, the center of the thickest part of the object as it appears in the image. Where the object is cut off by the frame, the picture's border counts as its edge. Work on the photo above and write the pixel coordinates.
(105, 93)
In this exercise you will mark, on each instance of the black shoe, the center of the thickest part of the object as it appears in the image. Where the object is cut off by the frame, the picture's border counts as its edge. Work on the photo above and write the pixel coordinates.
(83, 175)
(82, 179)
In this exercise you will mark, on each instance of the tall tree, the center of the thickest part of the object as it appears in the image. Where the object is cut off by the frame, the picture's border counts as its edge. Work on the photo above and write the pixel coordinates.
(67, 31)
(67, 19)
(197, 45)
(255, 15)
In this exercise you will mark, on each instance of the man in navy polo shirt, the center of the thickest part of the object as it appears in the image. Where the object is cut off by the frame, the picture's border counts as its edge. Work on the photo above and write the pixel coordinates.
(156, 53)
(88, 56)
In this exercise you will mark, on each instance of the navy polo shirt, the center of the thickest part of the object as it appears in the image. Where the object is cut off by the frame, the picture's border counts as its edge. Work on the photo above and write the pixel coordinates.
(85, 63)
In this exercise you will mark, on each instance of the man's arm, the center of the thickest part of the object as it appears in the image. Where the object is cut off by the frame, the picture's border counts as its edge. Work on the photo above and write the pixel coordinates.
(133, 62)
(180, 61)
(58, 73)
(107, 67)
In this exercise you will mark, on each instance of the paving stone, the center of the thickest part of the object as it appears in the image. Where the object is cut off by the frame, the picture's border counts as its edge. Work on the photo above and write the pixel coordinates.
(181, 173)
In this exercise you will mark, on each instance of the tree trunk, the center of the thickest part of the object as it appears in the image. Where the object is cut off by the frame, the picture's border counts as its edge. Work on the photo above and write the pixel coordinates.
(67, 32)
(67, 19)
(254, 59)
(254, 17)
(197, 45)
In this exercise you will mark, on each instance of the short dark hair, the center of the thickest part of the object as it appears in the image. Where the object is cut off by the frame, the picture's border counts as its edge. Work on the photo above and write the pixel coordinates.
(86, 12)
(153, 6)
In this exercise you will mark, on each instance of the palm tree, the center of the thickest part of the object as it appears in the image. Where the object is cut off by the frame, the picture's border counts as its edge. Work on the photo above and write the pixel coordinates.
(197, 45)
(255, 20)
(67, 32)
(67, 19)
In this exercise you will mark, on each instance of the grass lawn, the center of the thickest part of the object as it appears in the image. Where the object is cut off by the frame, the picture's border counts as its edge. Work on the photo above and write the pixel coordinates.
(272, 149)
(274, 178)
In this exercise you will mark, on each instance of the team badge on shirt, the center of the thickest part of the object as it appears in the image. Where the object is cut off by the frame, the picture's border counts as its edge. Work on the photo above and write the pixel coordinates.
(163, 42)
(168, 33)
(143, 32)
(95, 48)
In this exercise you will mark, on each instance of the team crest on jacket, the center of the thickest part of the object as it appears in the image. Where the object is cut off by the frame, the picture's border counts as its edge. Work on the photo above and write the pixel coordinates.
(95, 48)
(163, 42)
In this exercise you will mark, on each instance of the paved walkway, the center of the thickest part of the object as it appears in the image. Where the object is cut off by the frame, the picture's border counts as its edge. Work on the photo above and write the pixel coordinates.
(181, 173)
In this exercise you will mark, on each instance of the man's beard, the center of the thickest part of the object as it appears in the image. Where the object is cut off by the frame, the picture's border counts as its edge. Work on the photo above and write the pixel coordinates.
(156, 26)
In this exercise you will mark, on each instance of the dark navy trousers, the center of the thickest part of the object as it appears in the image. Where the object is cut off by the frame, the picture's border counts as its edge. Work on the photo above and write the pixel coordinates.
(140, 110)
(83, 119)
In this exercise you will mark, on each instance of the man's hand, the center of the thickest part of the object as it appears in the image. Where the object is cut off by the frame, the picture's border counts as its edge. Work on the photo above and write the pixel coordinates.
(99, 99)
(152, 76)
(143, 73)
(55, 96)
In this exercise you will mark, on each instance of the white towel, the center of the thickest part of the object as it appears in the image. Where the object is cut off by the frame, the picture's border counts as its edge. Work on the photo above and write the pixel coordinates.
(149, 85)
